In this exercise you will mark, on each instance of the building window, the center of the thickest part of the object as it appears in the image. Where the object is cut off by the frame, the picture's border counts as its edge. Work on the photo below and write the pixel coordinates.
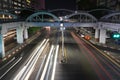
(19, 4)
(15, 3)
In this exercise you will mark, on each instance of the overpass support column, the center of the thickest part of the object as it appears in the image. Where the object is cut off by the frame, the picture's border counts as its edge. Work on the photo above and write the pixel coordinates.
(102, 36)
(97, 32)
(19, 35)
(25, 33)
(2, 49)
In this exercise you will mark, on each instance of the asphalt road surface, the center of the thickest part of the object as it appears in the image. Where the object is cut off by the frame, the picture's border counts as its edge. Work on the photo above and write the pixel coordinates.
(83, 62)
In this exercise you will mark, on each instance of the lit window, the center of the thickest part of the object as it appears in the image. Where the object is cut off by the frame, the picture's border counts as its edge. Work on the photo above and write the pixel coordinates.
(15, 3)
(19, 4)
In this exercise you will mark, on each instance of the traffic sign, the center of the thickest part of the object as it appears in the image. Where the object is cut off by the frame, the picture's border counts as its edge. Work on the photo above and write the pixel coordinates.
(116, 35)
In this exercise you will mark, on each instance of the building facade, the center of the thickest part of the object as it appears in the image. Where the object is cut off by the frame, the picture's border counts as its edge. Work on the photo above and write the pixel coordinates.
(14, 4)
(112, 4)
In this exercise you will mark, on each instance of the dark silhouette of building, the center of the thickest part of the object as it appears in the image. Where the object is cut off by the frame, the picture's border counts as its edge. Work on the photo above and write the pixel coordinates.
(38, 4)
(60, 4)
(112, 4)
(86, 4)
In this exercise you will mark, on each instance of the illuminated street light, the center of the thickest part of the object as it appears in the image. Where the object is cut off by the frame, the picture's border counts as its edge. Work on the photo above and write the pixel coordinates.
(3, 16)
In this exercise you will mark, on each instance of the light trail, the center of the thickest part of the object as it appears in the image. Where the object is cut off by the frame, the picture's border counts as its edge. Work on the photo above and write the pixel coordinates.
(34, 52)
(7, 63)
(48, 72)
(55, 62)
(40, 68)
(20, 73)
(30, 68)
(46, 65)
(10, 68)
(26, 71)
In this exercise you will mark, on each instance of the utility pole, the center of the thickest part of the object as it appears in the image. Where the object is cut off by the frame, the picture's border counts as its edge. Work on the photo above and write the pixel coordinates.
(62, 28)
(62, 32)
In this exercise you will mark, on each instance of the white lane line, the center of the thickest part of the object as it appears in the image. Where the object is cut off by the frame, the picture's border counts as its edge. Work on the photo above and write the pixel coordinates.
(7, 63)
(40, 68)
(55, 62)
(10, 68)
(46, 65)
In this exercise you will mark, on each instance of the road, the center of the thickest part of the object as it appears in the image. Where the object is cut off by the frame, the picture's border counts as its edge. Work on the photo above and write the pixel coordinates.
(25, 53)
(32, 52)
(83, 61)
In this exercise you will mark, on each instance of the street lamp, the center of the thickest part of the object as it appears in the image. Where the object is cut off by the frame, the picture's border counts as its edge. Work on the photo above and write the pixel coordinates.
(62, 28)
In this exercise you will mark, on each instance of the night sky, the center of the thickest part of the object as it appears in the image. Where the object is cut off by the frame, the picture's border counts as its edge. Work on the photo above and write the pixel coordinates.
(60, 4)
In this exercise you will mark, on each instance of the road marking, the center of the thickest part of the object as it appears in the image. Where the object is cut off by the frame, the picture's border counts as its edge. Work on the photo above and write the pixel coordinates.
(13, 52)
(7, 63)
(4, 59)
(9, 55)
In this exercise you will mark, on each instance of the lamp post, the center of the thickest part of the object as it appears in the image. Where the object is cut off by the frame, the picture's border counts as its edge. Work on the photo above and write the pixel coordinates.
(62, 32)
(62, 28)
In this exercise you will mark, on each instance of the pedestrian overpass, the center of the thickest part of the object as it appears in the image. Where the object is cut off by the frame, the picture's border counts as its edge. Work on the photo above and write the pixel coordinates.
(73, 20)
(48, 18)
